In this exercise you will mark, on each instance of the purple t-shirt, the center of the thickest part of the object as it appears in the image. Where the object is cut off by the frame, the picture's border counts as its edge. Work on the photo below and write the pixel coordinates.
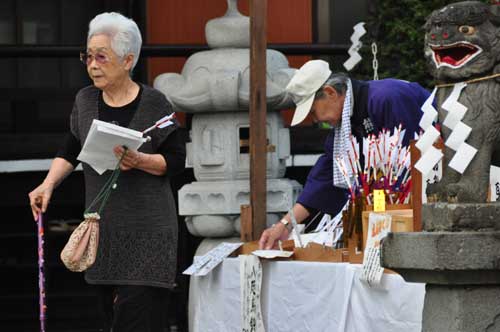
(389, 103)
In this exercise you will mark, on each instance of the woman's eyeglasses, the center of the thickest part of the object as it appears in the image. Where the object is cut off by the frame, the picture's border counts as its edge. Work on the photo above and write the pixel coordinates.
(87, 58)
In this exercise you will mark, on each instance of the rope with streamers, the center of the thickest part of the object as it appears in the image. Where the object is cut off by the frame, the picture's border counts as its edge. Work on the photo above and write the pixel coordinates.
(474, 80)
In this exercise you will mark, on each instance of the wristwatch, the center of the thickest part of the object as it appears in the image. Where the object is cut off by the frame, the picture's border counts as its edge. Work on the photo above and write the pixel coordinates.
(287, 224)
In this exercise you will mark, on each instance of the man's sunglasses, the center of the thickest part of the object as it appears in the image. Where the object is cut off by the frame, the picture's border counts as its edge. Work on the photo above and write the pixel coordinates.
(87, 58)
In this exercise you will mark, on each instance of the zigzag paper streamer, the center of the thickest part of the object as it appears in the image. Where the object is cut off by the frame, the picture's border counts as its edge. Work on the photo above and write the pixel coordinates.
(456, 141)
(460, 131)
(430, 156)
(462, 157)
(430, 113)
(428, 160)
(456, 110)
(458, 136)
(354, 56)
(427, 139)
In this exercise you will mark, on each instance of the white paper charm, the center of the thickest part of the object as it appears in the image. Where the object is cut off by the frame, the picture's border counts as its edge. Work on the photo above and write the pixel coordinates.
(250, 285)
(379, 225)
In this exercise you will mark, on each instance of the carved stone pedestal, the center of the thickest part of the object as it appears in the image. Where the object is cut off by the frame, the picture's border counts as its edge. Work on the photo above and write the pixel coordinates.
(458, 257)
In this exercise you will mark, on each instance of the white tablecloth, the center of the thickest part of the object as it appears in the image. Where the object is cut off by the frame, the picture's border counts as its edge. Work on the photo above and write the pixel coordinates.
(307, 297)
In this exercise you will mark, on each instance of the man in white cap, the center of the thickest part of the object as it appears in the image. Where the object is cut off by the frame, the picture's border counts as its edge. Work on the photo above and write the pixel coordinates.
(350, 107)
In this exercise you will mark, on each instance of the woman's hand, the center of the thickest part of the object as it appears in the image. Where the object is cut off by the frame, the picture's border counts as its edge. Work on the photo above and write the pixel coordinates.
(151, 163)
(269, 238)
(132, 158)
(40, 198)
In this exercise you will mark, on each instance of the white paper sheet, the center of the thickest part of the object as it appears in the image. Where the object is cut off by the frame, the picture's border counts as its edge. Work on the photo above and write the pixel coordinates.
(97, 151)
(458, 136)
(206, 263)
(272, 253)
(462, 157)
(250, 292)
(379, 225)
(428, 160)
(453, 118)
(456, 110)
(353, 60)
(354, 56)
(430, 113)
(451, 103)
(430, 135)
(428, 118)
(495, 183)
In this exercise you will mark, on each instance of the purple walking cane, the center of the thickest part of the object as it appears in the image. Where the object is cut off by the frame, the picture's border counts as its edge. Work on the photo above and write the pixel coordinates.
(41, 276)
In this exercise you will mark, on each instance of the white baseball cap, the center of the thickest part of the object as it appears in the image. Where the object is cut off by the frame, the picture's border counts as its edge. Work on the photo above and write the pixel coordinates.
(304, 85)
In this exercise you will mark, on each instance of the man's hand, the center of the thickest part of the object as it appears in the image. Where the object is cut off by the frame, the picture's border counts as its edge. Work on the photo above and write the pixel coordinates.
(270, 237)
(132, 158)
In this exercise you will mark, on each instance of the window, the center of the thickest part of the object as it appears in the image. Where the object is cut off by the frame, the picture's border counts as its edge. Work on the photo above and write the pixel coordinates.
(37, 93)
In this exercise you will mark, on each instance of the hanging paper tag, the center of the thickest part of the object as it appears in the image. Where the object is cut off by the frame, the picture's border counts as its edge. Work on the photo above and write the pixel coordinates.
(378, 201)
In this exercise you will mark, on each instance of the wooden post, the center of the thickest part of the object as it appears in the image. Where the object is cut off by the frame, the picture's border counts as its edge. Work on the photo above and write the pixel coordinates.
(258, 136)
(246, 223)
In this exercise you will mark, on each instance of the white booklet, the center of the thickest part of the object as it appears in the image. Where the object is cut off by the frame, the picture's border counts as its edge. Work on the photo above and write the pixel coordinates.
(97, 151)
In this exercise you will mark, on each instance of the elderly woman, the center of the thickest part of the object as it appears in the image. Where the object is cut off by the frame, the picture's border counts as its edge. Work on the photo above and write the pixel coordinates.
(138, 237)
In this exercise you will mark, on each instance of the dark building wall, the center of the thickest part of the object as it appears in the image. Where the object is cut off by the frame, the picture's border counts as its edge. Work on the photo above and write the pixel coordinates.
(36, 97)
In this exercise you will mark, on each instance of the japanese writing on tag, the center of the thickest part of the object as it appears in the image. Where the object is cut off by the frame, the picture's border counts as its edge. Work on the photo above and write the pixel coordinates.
(378, 200)
(379, 224)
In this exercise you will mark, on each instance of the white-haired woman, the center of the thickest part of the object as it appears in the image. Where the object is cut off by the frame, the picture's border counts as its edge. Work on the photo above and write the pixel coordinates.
(138, 237)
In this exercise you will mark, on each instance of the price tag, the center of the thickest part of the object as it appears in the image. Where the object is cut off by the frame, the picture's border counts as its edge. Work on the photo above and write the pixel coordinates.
(378, 200)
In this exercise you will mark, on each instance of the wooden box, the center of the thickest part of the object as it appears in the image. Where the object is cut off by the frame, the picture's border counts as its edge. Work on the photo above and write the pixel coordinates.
(402, 221)
(313, 252)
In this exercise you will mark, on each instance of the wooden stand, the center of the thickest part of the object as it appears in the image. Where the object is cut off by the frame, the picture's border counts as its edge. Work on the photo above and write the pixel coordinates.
(312, 253)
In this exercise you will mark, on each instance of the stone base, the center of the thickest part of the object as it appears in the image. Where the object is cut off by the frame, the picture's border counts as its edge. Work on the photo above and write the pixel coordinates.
(226, 197)
(438, 217)
(460, 258)
(461, 309)
(217, 226)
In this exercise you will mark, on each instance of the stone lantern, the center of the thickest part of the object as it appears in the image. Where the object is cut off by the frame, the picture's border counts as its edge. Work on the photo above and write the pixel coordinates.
(215, 87)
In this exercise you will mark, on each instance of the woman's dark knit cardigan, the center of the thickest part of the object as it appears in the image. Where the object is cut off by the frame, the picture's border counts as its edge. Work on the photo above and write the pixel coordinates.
(138, 227)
